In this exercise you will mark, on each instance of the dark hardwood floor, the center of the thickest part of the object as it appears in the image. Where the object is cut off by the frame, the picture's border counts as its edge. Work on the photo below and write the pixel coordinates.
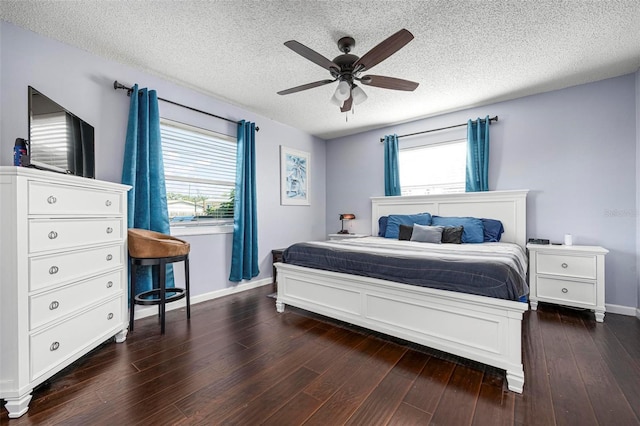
(239, 362)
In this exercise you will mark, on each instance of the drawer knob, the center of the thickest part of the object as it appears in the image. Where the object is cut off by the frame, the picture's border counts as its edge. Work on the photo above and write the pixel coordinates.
(54, 346)
(109, 257)
(54, 305)
(53, 235)
(107, 203)
(564, 290)
(51, 199)
(564, 265)
(110, 316)
(110, 284)
(53, 270)
(109, 230)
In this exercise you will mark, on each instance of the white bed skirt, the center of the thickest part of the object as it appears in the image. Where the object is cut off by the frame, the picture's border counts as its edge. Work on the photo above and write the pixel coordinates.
(479, 328)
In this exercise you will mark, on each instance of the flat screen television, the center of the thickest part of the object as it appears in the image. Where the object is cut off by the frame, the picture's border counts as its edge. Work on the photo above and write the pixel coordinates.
(58, 139)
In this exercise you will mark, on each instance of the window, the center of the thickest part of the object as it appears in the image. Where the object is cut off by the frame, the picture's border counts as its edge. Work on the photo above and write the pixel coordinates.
(434, 168)
(200, 175)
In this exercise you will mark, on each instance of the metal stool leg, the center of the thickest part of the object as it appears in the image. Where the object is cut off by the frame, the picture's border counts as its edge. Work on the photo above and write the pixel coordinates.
(163, 289)
(188, 291)
(132, 295)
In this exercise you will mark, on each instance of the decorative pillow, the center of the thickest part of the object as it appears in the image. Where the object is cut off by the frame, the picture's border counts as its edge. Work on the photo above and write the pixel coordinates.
(405, 232)
(382, 225)
(452, 234)
(395, 220)
(473, 231)
(427, 234)
(493, 230)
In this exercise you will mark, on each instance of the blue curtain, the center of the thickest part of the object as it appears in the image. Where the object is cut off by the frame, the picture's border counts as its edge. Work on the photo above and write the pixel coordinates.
(244, 257)
(143, 169)
(391, 169)
(477, 178)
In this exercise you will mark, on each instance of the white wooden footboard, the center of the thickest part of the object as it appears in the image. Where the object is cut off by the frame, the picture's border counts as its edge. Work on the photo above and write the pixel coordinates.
(479, 328)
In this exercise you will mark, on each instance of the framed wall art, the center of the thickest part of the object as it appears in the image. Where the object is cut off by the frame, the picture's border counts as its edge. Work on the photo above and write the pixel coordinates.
(295, 174)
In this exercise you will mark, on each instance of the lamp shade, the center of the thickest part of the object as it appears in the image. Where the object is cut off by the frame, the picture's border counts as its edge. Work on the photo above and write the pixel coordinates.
(342, 91)
(336, 102)
(347, 216)
(358, 95)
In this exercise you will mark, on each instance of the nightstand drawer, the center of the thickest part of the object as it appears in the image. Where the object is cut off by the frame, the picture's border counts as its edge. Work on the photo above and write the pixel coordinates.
(571, 292)
(567, 265)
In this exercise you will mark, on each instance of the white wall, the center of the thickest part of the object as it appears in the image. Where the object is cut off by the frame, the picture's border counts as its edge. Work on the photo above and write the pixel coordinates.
(83, 83)
(574, 149)
(637, 212)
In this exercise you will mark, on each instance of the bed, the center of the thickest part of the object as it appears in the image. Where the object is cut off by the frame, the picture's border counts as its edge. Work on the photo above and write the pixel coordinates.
(480, 328)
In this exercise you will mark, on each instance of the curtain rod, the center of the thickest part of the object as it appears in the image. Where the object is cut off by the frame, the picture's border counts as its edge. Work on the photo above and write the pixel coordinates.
(441, 128)
(117, 86)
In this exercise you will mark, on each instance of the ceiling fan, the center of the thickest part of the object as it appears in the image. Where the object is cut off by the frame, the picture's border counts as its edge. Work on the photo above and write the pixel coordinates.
(346, 69)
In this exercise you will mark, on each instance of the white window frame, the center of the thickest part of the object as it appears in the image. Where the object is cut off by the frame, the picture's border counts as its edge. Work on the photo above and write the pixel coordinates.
(415, 145)
(197, 227)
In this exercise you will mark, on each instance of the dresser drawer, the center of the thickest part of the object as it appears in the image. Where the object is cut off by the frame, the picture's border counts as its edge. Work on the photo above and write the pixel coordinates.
(57, 344)
(49, 306)
(45, 271)
(52, 199)
(569, 292)
(59, 234)
(567, 265)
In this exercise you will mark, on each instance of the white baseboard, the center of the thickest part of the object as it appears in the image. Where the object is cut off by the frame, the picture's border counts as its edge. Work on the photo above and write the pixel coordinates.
(623, 310)
(147, 311)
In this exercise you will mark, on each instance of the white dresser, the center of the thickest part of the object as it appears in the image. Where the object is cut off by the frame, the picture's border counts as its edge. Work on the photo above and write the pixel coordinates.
(63, 275)
(567, 275)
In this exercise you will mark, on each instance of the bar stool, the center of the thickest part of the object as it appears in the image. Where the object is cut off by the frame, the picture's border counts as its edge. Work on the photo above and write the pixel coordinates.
(150, 248)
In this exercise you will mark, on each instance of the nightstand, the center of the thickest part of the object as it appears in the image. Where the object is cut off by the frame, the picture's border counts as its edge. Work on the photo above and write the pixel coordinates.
(345, 236)
(276, 256)
(567, 275)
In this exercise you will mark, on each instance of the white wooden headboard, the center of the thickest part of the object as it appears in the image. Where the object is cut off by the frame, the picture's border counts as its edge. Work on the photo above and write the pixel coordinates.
(510, 207)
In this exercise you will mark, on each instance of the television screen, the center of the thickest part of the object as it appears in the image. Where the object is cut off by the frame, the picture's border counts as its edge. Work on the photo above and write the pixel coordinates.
(59, 140)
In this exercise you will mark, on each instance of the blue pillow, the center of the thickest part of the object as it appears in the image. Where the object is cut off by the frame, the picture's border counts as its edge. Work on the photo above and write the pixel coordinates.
(493, 230)
(395, 220)
(427, 234)
(382, 225)
(473, 231)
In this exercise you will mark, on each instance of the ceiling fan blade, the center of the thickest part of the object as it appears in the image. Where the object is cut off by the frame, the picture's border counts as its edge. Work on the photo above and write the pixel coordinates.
(305, 87)
(389, 82)
(310, 54)
(383, 50)
(347, 104)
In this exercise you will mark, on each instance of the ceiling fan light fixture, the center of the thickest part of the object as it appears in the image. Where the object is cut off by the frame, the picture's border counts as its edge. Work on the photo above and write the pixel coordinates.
(342, 91)
(359, 96)
(336, 102)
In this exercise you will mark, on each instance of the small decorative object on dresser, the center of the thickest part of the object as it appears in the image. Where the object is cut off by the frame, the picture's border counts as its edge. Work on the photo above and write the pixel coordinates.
(567, 275)
(64, 273)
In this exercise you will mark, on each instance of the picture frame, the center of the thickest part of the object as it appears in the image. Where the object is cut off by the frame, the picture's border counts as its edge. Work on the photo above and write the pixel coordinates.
(295, 177)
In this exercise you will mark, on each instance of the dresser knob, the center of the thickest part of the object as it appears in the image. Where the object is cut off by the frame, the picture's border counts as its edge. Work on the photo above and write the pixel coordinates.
(110, 316)
(51, 199)
(109, 257)
(110, 284)
(54, 305)
(54, 346)
(109, 230)
(53, 270)
(53, 235)
(564, 290)
(565, 266)
(107, 203)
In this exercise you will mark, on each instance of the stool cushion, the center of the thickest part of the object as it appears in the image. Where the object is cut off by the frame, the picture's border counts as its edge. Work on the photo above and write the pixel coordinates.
(145, 244)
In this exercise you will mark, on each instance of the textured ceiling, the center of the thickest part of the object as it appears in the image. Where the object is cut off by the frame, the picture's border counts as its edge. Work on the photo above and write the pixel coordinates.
(465, 53)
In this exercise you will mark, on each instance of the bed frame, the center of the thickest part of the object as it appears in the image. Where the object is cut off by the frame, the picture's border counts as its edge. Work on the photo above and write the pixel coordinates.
(479, 328)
